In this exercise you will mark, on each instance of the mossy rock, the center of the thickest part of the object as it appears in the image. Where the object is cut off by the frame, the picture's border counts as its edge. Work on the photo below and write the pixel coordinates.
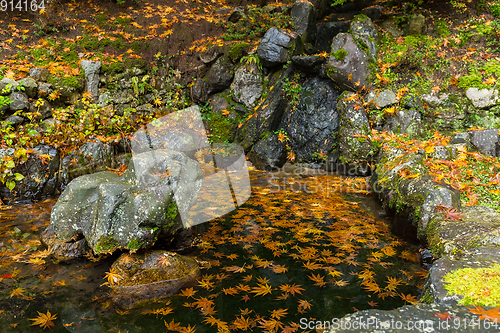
(151, 275)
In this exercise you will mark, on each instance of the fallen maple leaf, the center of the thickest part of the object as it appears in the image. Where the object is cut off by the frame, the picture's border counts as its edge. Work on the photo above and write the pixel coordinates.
(453, 215)
(44, 320)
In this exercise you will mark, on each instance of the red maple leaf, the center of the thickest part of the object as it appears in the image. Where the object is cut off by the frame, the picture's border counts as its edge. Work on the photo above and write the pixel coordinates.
(453, 215)
(444, 316)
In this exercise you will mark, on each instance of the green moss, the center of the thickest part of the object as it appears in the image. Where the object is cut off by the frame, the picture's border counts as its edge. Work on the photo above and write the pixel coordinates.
(134, 244)
(479, 286)
(473, 80)
(172, 210)
(106, 244)
(113, 68)
(340, 54)
(237, 50)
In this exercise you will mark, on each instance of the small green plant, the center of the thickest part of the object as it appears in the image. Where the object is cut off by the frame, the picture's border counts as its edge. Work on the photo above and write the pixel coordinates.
(251, 58)
(255, 23)
(293, 89)
(237, 50)
(442, 28)
(494, 8)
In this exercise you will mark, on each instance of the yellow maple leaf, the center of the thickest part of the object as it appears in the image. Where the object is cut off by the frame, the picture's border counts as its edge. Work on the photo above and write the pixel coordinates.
(44, 320)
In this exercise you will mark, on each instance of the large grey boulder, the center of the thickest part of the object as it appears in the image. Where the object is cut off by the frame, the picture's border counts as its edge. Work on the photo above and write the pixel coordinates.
(304, 20)
(91, 70)
(277, 47)
(313, 124)
(247, 85)
(434, 287)
(486, 141)
(347, 65)
(220, 75)
(477, 226)
(354, 137)
(130, 211)
(484, 98)
(268, 154)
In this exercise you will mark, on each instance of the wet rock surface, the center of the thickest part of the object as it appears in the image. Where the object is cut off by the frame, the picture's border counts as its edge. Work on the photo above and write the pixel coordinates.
(154, 274)
(421, 318)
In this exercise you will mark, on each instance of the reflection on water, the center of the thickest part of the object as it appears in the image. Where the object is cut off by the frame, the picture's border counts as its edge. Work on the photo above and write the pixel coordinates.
(297, 249)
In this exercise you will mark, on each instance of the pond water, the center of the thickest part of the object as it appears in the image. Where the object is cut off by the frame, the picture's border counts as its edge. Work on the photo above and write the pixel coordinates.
(303, 247)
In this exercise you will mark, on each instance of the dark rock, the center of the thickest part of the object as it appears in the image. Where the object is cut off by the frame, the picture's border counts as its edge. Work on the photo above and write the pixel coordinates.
(309, 64)
(30, 87)
(222, 102)
(354, 130)
(150, 275)
(199, 92)
(268, 153)
(373, 12)
(39, 73)
(19, 101)
(236, 14)
(247, 85)
(40, 175)
(220, 75)
(327, 31)
(267, 117)
(277, 47)
(304, 19)
(312, 126)
(14, 120)
(476, 258)
(460, 138)
(486, 141)
(91, 157)
(63, 251)
(350, 71)
(92, 69)
(41, 108)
